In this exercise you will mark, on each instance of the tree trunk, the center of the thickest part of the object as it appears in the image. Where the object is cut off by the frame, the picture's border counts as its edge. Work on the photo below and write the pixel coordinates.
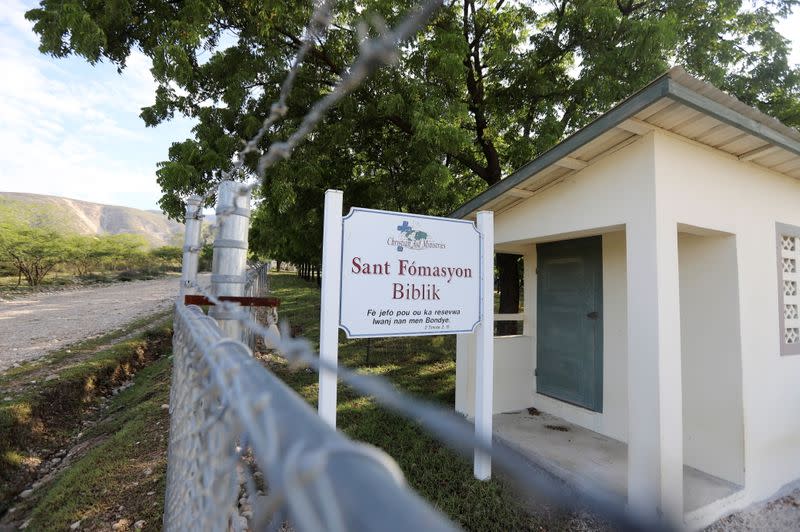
(507, 266)
(508, 283)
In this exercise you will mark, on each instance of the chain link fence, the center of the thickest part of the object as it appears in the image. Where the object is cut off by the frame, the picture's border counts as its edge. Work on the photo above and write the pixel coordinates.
(246, 452)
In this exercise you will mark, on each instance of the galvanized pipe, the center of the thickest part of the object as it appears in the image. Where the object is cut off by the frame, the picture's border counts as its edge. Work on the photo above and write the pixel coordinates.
(230, 253)
(191, 244)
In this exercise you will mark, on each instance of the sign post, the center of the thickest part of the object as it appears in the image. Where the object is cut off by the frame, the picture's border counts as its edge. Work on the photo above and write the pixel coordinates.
(484, 352)
(398, 274)
(329, 304)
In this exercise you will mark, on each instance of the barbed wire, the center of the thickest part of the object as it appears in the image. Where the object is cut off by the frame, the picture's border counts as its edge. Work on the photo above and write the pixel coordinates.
(237, 373)
(373, 53)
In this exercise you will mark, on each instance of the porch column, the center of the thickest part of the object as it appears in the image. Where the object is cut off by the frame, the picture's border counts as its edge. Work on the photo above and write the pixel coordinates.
(655, 418)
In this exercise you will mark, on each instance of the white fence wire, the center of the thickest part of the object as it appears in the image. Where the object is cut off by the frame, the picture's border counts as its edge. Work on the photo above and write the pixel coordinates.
(247, 452)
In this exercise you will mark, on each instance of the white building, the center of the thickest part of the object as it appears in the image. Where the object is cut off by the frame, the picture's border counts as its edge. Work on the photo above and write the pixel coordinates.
(661, 246)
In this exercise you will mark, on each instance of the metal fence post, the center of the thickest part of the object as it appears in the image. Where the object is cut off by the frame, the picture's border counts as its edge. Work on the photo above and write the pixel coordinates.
(191, 244)
(229, 266)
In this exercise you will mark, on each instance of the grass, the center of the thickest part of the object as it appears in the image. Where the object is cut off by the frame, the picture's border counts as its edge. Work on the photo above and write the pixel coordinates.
(44, 416)
(425, 367)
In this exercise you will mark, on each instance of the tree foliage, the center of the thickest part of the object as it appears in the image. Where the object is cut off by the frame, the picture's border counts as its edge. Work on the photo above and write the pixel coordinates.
(485, 87)
(88, 253)
(33, 252)
(168, 256)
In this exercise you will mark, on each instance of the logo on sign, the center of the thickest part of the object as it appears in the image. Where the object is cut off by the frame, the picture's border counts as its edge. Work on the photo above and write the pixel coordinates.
(411, 238)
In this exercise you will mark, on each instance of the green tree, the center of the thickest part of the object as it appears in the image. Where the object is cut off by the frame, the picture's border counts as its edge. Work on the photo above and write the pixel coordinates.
(122, 251)
(34, 251)
(485, 87)
(167, 257)
(206, 258)
(83, 253)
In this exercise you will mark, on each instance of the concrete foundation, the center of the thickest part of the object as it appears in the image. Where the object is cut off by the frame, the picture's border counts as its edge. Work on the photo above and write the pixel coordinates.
(582, 457)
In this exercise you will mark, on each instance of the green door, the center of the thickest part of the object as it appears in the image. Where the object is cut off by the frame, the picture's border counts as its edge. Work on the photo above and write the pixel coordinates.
(569, 347)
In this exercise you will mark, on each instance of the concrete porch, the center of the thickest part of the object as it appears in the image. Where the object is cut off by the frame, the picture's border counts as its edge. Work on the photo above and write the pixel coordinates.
(581, 456)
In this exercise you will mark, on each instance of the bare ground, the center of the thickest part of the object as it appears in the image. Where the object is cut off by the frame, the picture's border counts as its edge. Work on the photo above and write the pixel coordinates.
(36, 324)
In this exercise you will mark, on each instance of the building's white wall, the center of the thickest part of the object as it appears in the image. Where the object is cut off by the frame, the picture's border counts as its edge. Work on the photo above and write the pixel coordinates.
(655, 425)
(601, 198)
(703, 187)
(653, 188)
(614, 193)
(615, 338)
(713, 430)
(607, 194)
(513, 374)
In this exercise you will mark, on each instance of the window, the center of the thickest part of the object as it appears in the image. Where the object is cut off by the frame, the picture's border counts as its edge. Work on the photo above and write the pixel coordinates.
(789, 287)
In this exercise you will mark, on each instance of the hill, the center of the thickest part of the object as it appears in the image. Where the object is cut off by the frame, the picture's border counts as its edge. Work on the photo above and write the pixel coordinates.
(86, 218)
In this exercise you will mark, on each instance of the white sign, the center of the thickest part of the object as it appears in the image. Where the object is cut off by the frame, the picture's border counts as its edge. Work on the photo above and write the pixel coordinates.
(394, 274)
(408, 274)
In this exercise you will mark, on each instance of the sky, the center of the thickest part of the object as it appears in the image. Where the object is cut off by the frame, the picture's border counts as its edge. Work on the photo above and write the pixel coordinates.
(71, 129)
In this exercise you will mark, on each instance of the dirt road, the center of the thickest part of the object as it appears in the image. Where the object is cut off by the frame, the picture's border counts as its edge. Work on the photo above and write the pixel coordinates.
(36, 324)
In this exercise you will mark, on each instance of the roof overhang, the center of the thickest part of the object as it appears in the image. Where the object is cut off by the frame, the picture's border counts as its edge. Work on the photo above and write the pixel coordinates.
(674, 102)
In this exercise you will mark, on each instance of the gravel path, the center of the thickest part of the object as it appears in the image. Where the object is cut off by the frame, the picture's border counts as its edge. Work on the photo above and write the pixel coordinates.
(779, 514)
(35, 324)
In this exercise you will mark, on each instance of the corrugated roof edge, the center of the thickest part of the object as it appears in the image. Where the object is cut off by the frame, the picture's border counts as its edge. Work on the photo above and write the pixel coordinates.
(673, 83)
